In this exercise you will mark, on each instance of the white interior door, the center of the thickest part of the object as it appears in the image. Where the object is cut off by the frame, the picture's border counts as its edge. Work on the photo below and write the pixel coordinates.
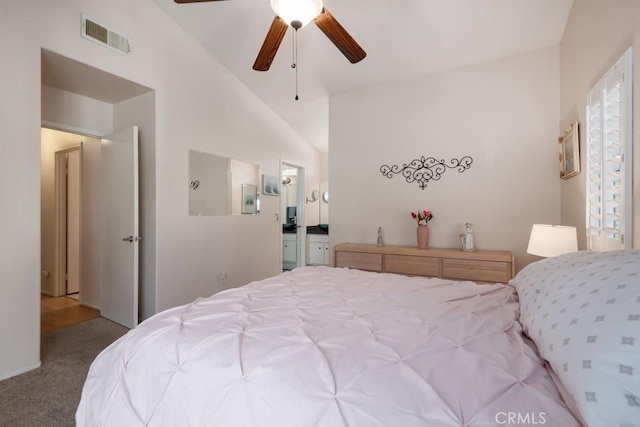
(73, 222)
(120, 227)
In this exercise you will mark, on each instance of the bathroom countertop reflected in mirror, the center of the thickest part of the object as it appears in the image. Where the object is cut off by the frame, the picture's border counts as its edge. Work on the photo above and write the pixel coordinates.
(318, 229)
(289, 228)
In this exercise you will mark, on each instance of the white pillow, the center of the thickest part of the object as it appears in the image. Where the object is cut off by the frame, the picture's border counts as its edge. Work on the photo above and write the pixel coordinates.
(583, 312)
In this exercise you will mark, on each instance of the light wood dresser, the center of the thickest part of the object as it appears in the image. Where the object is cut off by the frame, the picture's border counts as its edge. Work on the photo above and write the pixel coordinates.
(477, 266)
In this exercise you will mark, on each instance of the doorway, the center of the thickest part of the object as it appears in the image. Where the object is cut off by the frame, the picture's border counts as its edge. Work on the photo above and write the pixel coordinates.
(66, 204)
(292, 212)
(67, 197)
(79, 98)
(89, 228)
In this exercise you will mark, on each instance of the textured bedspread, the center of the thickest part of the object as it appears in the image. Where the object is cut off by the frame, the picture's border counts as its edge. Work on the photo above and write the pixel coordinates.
(320, 346)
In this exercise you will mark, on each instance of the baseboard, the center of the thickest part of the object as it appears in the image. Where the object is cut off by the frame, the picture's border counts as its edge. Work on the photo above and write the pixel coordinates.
(20, 371)
(95, 307)
(46, 293)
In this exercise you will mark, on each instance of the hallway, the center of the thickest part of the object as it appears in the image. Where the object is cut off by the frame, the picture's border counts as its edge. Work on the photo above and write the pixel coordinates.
(63, 311)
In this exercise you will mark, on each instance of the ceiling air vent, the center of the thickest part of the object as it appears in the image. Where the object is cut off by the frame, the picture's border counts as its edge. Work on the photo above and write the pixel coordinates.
(95, 32)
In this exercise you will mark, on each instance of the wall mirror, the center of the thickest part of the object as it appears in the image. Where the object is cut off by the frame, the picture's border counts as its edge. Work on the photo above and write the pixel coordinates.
(222, 186)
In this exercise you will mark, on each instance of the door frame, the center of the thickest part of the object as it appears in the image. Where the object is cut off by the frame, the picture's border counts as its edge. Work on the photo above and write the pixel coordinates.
(301, 233)
(60, 220)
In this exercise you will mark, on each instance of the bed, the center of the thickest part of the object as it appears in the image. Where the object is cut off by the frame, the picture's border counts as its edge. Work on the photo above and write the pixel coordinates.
(322, 346)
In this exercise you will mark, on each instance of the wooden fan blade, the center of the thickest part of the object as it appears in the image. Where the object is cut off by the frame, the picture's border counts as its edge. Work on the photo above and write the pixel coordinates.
(193, 1)
(271, 44)
(339, 36)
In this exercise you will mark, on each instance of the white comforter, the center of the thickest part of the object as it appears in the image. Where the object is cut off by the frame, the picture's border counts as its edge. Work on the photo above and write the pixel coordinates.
(320, 346)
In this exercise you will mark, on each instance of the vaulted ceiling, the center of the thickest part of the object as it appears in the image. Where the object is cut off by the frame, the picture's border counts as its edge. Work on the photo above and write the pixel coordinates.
(404, 39)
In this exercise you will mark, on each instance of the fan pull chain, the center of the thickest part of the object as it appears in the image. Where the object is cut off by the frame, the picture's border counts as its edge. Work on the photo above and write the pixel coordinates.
(294, 53)
(293, 49)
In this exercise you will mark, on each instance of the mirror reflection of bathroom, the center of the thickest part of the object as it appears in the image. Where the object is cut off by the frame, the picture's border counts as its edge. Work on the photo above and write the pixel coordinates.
(291, 217)
(289, 199)
(318, 252)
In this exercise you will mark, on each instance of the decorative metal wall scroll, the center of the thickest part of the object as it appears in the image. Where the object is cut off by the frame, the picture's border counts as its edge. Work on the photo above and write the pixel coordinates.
(194, 184)
(426, 169)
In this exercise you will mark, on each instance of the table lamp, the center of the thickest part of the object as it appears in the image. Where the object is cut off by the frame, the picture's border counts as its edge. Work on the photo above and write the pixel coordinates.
(552, 240)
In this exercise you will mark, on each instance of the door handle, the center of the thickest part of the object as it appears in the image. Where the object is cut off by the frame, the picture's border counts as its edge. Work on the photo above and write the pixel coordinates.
(132, 239)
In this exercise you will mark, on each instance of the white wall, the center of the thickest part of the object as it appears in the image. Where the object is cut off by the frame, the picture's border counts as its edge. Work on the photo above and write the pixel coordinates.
(199, 105)
(504, 114)
(78, 113)
(323, 208)
(596, 35)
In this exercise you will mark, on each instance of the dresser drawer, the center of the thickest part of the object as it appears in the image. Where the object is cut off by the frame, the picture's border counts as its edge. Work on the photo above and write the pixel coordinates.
(359, 260)
(451, 263)
(411, 265)
(476, 270)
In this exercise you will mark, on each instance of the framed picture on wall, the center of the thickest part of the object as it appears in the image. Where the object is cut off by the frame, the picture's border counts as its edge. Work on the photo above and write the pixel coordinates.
(249, 199)
(270, 185)
(569, 147)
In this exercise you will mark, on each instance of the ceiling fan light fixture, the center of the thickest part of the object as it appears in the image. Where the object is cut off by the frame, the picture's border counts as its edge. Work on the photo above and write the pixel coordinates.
(303, 11)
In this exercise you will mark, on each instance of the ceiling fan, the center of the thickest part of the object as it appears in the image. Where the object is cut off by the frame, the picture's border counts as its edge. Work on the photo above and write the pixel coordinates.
(297, 13)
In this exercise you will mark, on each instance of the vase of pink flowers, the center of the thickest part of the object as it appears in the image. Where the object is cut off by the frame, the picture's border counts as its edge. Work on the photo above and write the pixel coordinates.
(423, 218)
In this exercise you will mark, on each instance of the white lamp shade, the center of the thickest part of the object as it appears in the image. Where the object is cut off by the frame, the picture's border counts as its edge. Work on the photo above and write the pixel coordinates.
(297, 10)
(552, 240)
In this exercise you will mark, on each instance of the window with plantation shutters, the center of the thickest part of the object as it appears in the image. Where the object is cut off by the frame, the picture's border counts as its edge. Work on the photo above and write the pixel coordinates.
(609, 142)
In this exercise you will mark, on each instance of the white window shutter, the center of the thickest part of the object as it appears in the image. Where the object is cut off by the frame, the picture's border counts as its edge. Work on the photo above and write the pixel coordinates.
(608, 142)
(594, 162)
